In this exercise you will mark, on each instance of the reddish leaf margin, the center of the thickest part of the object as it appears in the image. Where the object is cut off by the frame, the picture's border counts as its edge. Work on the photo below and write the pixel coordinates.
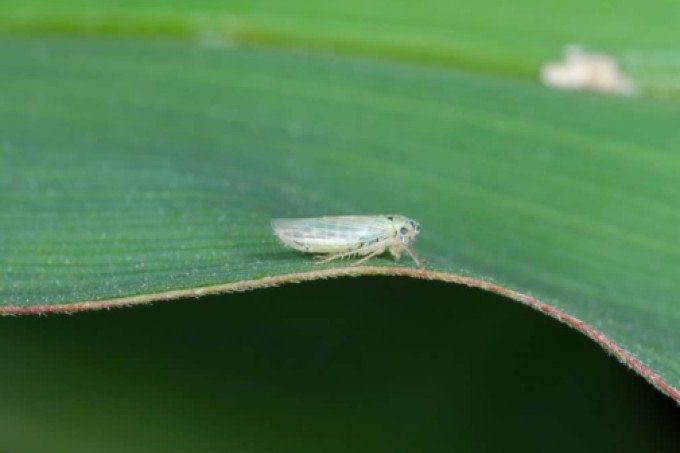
(609, 345)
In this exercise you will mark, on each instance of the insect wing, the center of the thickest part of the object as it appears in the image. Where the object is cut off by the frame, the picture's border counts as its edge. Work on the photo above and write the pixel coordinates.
(332, 234)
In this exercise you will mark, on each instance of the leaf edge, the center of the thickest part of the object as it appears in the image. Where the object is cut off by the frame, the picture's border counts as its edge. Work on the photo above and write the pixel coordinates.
(609, 345)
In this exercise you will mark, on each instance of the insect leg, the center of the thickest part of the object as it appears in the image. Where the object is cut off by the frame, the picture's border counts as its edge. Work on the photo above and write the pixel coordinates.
(372, 250)
(323, 259)
(396, 249)
(376, 252)
(414, 256)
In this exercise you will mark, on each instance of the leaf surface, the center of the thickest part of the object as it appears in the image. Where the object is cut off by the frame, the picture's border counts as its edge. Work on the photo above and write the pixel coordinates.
(150, 170)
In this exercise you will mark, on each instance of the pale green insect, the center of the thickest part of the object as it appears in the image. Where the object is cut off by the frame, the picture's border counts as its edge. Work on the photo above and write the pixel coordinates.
(347, 236)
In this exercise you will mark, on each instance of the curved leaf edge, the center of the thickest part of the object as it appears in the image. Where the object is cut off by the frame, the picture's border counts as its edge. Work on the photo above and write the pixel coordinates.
(609, 345)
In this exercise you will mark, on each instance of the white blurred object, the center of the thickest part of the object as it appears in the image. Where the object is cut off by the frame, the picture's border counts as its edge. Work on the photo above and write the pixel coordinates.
(583, 70)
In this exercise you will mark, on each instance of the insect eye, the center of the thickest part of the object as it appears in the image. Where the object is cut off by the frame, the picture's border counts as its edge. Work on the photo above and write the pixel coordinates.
(403, 230)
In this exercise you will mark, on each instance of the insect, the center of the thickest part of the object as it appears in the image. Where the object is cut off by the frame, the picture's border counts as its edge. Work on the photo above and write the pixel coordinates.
(348, 236)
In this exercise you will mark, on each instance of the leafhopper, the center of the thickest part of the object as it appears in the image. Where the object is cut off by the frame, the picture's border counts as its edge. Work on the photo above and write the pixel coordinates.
(341, 237)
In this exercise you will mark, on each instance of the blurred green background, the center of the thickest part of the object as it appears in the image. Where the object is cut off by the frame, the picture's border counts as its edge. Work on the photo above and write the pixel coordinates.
(363, 364)
(511, 38)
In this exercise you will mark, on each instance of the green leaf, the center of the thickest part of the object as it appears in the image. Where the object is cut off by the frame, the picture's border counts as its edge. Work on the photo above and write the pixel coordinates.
(136, 171)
